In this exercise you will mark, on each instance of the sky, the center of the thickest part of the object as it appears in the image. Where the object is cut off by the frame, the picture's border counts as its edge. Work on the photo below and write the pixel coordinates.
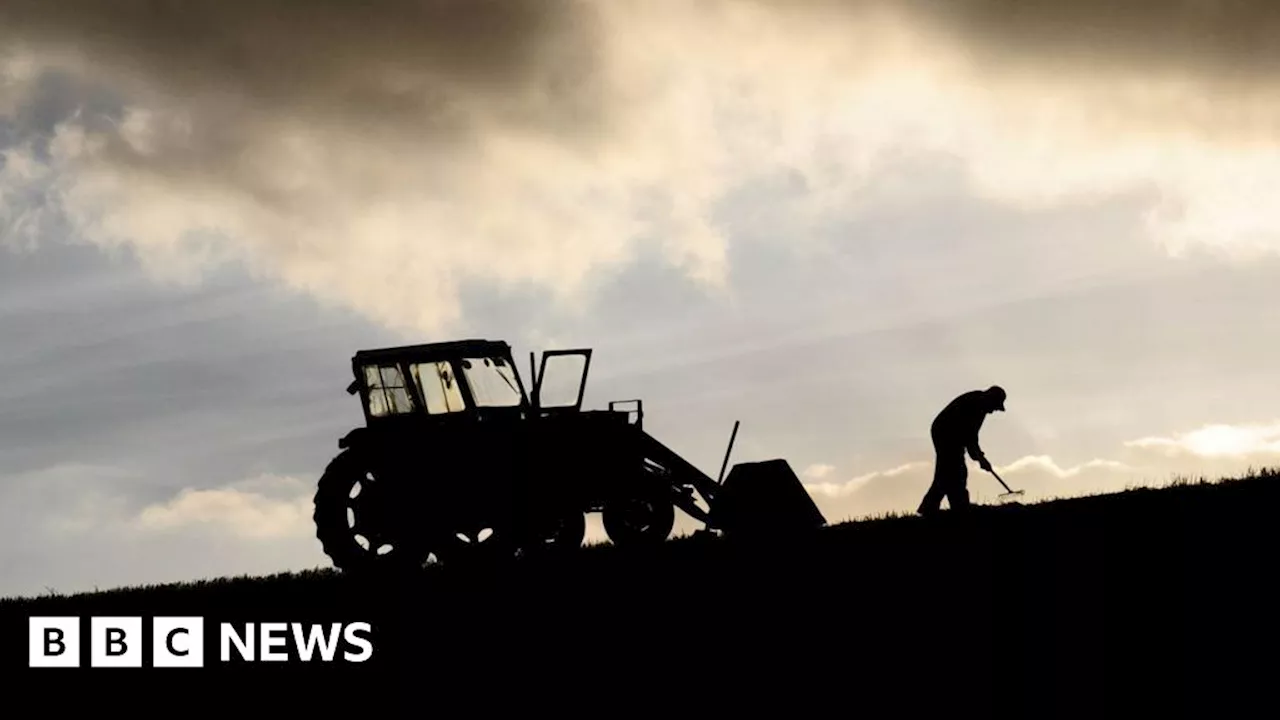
(823, 219)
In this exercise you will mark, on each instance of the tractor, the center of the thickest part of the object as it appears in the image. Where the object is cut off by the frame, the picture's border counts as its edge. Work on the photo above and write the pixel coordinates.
(456, 458)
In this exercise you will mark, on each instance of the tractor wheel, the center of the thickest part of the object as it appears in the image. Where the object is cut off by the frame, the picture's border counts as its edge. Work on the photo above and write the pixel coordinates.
(644, 518)
(352, 521)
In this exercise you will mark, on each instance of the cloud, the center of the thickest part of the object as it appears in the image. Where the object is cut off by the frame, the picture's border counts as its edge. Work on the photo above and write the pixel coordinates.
(1209, 38)
(1045, 464)
(16, 76)
(63, 501)
(818, 471)
(388, 154)
(76, 526)
(1218, 441)
(832, 489)
(265, 508)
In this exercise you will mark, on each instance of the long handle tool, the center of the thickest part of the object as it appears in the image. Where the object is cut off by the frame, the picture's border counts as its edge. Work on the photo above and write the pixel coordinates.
(1008, 492)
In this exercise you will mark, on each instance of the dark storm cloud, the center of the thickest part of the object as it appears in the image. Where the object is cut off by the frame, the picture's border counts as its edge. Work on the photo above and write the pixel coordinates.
(381, 58)
(438, 72)
(444, 74)
(426, 62)
(1223, 39)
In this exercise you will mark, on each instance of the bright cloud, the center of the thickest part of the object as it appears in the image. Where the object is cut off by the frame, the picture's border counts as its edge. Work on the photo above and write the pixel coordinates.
(833, 489)
(818, 471)
(262, 509)
(1218, 441)
(1044, 463)
(73, 526)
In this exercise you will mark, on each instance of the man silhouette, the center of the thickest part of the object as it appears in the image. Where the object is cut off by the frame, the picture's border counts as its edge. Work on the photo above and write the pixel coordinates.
(955, 432)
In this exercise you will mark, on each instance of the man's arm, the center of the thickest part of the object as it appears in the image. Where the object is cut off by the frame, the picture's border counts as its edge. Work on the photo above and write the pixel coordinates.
(974, 449)
(978, 456)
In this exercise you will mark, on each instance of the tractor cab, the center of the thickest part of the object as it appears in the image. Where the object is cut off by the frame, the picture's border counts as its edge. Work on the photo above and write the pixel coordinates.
(467, 380)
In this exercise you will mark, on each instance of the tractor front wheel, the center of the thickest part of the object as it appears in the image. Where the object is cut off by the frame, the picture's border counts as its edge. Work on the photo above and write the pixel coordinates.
(641, 519)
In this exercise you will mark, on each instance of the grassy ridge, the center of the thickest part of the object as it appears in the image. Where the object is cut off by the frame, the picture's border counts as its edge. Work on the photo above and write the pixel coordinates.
(1155, 595)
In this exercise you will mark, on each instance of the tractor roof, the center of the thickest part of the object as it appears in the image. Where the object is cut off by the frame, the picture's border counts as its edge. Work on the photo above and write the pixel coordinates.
(435, 351)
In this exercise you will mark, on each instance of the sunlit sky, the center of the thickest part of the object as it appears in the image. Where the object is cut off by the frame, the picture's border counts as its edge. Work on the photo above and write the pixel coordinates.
(823, 219)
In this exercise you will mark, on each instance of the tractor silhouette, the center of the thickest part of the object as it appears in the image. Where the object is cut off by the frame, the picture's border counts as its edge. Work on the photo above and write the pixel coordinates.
(457, 458)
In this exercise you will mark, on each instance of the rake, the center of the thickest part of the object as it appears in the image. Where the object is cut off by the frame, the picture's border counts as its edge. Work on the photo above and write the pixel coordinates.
(1008, 493)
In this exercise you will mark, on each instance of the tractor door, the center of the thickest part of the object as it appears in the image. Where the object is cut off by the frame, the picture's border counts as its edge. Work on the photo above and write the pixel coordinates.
(561, 382)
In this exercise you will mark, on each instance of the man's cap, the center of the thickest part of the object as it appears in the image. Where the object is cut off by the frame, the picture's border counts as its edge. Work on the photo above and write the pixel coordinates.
(998, 393)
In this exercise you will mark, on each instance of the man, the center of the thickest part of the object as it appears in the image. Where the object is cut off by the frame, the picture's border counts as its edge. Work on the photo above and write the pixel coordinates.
(955, 432)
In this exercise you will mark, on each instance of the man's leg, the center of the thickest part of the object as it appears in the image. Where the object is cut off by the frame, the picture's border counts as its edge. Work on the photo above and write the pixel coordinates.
(948, 464)
(958, 489)
(933, 497)
(950, 477)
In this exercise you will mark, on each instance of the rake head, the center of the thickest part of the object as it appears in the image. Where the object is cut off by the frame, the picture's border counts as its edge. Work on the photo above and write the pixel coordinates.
(1009, 493)
(1008, 496)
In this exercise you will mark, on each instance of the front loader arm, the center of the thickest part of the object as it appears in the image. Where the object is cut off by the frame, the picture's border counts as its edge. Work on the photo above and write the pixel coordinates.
(682, 497)
(684, 477)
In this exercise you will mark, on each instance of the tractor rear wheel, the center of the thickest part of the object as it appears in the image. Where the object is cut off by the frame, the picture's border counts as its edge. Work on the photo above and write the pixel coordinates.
(354, 521)
(639, 519)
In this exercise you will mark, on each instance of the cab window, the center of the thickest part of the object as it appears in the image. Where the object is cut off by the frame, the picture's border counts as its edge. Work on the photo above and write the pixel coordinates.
(439, 387)
(387, 392)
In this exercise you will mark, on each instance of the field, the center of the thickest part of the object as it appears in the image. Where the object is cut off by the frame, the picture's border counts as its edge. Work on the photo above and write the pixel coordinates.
(1073, 607)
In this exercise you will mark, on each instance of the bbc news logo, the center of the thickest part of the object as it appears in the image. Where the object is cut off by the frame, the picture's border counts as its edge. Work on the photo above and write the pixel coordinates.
(178, 642)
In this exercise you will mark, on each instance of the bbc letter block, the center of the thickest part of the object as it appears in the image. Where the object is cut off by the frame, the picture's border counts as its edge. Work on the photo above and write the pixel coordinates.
(177, 642)
(53, 642)
(115, 642)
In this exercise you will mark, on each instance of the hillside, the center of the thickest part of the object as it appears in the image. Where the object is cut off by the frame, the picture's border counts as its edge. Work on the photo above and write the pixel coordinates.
(1155, 594)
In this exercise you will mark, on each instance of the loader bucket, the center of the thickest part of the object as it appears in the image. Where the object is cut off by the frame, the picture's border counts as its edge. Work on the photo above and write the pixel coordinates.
(764, 499)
